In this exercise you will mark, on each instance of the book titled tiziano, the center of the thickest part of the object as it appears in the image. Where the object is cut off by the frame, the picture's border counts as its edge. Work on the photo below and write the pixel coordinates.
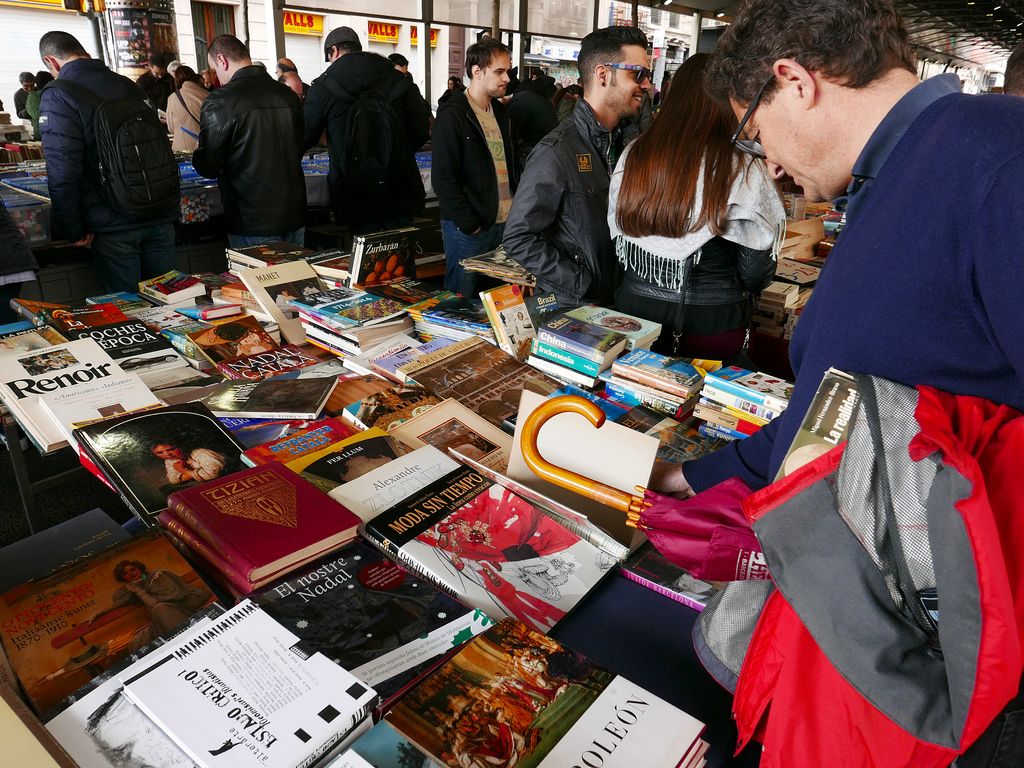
(244, 693)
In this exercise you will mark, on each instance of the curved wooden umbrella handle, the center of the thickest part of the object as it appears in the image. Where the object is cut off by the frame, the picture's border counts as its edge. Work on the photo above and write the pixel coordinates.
(604, 494)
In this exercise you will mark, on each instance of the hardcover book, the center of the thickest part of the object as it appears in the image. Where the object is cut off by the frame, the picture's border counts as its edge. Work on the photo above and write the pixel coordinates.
(383, 257)
(639, 333)
(244, 336)
(35, 337)
(95, 400)
(33, 310)
(581, 338)
(317, 435)
(352, 390)
(211, 311)
(337, 268)
(265, 365)
(490, 548)
(149, 455)
(406, 290)
(524, 699)
(172, 288)
(275, 287)
(374, 618)
(127, 302)
(262, 522)
(647, 566)
(452, 426)
(158, 318)
(26, 376)
(481, 377)
(61, 631)
(67, 320)
(271, 399)
(826, 423)
(134, 346)
(390, 407)
(675, 375)
(506, 310)
(242, 694)
(344, 461)
(393, 366)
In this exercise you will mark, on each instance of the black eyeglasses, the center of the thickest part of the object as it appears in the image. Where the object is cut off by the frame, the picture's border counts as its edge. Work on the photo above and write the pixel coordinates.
(752, 146)
(642, 72)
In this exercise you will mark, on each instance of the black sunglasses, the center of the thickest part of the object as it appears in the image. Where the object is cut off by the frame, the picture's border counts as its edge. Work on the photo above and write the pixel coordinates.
(642, 72)
(753, 146)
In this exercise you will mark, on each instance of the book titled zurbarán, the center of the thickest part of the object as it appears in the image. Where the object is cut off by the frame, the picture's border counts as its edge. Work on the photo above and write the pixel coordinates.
(262, 522)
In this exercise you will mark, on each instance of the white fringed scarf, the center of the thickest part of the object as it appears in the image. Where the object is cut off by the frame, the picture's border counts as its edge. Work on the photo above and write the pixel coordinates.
(755, 219)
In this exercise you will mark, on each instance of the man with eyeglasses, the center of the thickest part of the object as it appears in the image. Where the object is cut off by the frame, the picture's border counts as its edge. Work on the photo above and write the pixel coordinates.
(923, 285)
(557, 228)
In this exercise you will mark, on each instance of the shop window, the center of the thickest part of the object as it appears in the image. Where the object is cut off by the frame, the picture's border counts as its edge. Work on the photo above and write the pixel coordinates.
(208, 21)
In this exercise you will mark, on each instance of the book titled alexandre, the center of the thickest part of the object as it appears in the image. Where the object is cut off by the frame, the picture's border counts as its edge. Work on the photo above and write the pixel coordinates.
(151, 454)
(244, 694)
(374, 618)
(271, 399)
(61, 631)
(383, 257)
(523, 699)
(261, 522)
(479, 541)
(264, 365)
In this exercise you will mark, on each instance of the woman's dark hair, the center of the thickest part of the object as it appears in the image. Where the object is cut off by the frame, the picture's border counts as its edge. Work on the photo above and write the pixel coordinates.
(119, 568)
(185, 74)
(43, 78)
(658, 194)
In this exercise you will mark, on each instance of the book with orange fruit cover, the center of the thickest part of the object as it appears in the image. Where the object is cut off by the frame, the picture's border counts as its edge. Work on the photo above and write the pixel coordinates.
(384, 257)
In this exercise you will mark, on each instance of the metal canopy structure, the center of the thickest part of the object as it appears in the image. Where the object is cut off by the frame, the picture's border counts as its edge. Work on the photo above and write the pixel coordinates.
(965, 32)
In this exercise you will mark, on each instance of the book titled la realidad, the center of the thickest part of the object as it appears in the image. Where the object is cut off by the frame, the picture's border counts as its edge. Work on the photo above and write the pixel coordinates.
(245, 693)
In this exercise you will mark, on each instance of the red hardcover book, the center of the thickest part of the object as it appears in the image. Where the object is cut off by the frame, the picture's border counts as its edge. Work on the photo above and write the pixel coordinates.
(263, 521)
(318, 435)
(197, 552)
(81, 318)
(263, 365)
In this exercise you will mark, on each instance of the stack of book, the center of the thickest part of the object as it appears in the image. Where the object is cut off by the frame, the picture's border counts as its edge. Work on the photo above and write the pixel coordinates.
(668, 385)
(172, 288)
(455, 318)
(347, 321)
(575, 351)
(639, 333)
(266, 255)
(497, 264)
(735, 403)
(778, 307)
(127, 302)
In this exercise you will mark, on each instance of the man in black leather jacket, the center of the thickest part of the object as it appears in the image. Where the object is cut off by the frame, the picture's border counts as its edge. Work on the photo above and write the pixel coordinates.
(558, 227)
(250, 140)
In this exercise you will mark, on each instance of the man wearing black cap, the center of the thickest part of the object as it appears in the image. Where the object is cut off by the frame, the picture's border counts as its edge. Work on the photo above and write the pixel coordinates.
(375, 121)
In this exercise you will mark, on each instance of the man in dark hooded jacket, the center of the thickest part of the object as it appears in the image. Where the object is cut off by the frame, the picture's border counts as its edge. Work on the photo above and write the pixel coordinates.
(331, 105)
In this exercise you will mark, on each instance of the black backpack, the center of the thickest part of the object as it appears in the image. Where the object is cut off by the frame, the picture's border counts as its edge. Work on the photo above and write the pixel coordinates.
(137, 171)
(373, 137)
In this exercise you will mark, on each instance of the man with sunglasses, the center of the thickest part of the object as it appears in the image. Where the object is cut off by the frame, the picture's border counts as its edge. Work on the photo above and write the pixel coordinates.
(922, 286)
(557, 228)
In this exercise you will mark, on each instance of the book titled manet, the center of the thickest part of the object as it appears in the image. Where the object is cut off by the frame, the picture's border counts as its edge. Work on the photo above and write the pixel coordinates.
(380, 622)
(61, 631)
(244, 693)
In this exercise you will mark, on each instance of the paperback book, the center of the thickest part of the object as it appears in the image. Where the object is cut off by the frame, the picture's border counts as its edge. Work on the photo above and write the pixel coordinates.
(583, 339)
(159, 318)
(96, 400)
(271, 399)
(28, 339)
(366, 362)
(510, 319)
(391, 407)
(61, 631)
(126, 301)
(346, 460)
(647, 566)
(639, 333)
(674, 375)
(826, 423)
(385, 625)
(269, 254)
(383, 257)
(242, 694)
(317, 435)
(770, 392)
(493, 550)
(275, 287)
(451, 426)
(393, 366)
(265, 365)
(345, 308)
(500, 265)
(211, 311)
(151, 454)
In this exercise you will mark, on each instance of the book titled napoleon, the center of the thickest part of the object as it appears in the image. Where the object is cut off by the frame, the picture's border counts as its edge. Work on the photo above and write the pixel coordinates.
(259, 523)
(150, 454)
(244, 693)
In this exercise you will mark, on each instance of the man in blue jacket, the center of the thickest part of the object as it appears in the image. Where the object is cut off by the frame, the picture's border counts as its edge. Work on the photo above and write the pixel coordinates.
(127, 249)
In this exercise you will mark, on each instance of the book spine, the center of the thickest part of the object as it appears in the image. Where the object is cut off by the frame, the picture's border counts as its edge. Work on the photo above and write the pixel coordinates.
(717, 432)
(770, 402)
(566, 358)
(193, 548)
(569, 345)
(633, 397)
(720, 418)
(225, 549)
(640, 376)
(404, 558)
(738, 403)
(689, 602)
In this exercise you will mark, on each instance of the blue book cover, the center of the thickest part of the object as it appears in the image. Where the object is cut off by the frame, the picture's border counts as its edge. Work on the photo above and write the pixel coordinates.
(772, 392)
(675, 375)
(344, 308)
(20, 325)
(581, 338)
(566, 358)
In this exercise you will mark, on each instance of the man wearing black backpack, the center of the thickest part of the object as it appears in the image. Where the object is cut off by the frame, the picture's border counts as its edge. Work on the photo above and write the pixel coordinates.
(111, 174)
(375, 120)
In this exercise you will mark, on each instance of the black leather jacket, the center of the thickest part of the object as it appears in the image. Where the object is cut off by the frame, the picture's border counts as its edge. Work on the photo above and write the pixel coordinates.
(250, 140)
(558, 226)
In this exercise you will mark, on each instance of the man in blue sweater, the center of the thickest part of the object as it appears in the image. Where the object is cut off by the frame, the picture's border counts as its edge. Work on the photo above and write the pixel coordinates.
(923, 286)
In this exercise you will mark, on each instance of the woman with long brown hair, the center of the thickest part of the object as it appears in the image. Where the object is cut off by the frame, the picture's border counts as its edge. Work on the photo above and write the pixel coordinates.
(697, 224)
(183, 108)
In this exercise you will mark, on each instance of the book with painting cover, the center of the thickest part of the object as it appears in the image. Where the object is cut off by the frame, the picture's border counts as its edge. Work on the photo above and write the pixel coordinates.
(647, 566)
(317, 435)
(492, 549)
(383, 747)
(480, 376)
(172, 287)
(61, 631)
(263, 521)
(346, 308)
(98, 399)
(391, 407)
(453, 426)
(127, 302)
(509, 318)
(351, 391)
(771, 392)
(28, 339)
(521, 698)
(383, 257)
(244, 694)
(675, 375)
(678, 441)
(347, 459)
(224, 341)
(382, 623)
(639, 333)
(393, 366)
(589, 341)
(826, 423)
(265, 365)
(406, 290)
(275, 287)
(271, 399)
(151, 454)
(74, 319)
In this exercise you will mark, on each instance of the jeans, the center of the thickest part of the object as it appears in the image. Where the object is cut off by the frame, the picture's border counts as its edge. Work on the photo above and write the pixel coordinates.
(458, 246)
(127, 257)
(296, 237)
